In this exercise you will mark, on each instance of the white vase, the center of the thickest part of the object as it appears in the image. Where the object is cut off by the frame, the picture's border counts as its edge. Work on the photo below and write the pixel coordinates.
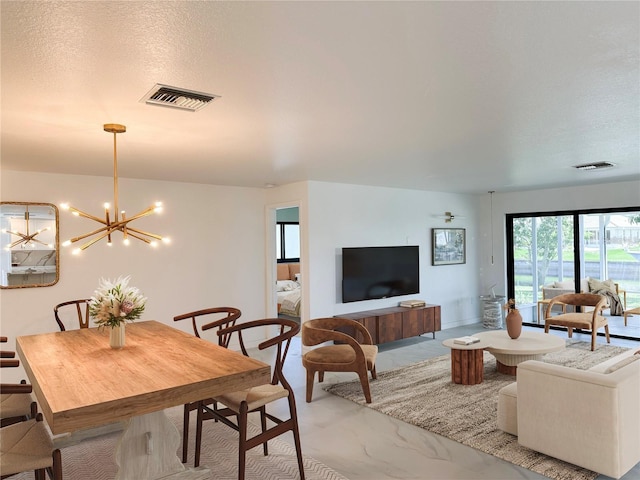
(116, 336)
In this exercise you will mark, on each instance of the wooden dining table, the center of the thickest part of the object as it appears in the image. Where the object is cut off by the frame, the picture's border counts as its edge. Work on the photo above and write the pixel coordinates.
(81, 382)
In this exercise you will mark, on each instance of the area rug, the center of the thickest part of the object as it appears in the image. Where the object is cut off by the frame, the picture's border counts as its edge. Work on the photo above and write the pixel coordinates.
(93, 459)
(422, 394)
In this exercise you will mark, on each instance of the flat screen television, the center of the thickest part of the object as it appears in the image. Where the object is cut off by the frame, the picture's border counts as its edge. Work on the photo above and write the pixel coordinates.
(379, 272)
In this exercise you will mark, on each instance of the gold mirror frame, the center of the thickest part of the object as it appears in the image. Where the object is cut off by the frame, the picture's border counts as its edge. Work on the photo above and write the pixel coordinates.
(29, 245)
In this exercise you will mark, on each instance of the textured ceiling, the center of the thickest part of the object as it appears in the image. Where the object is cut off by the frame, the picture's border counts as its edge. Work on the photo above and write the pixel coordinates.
(444, 96)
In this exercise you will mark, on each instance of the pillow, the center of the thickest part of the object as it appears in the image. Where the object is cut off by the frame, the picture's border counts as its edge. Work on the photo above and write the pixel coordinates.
(622, 363)
(286, 285)
(566, 285)
(595, 285)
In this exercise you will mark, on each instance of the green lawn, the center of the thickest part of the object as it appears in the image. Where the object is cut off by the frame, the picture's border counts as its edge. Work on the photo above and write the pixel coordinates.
(613, 255)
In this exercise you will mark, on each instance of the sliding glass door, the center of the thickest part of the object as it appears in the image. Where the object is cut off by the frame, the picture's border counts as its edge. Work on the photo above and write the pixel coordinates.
(543, 254)
(550, 253)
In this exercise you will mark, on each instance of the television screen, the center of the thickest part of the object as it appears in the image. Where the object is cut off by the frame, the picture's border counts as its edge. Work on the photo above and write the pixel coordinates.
(379, 272)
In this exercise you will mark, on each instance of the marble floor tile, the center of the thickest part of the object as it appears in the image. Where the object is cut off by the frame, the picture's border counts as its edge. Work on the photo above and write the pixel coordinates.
(363, 444)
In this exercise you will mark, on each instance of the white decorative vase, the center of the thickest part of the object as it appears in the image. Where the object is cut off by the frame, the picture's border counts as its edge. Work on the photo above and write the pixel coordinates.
(116, 336)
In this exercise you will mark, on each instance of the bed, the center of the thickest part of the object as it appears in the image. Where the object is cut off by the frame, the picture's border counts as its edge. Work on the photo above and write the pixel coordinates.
(288, 289)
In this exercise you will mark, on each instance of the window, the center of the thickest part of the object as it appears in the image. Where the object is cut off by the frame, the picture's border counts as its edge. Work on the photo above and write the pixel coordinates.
(287, 242)
(546, 248)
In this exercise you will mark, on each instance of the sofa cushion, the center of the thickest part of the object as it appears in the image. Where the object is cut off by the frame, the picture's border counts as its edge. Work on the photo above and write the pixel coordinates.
(622, 363)
(566, 285)
(603, 366)
(508, 409)
(595, 285)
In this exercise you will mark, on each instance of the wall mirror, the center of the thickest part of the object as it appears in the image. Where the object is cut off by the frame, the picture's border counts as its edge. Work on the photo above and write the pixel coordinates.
(29, 254)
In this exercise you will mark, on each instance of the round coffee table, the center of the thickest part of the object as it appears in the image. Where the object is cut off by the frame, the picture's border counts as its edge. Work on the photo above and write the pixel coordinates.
(510, 352)
(467, 365)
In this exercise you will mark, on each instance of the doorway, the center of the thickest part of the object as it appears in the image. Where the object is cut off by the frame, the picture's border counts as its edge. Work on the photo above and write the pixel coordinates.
(288, 284)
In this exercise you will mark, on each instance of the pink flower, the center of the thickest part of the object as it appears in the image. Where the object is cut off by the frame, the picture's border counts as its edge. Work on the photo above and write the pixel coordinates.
(126, 307)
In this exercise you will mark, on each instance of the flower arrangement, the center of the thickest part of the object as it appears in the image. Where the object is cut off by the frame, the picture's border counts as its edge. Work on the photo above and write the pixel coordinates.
(115, 302)
(511, 306)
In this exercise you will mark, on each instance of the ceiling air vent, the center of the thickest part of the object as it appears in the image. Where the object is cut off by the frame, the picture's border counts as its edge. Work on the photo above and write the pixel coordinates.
(174, 97)
(594, 166)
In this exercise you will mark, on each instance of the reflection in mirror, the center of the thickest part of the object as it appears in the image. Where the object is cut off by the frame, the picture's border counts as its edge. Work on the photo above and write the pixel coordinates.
(29, 237)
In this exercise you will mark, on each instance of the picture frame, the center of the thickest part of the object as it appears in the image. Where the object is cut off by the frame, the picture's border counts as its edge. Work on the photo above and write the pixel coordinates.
(448, 246)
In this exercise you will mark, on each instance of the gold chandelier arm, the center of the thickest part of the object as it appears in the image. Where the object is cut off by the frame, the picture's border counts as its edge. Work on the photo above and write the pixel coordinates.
(86, 215)
(16, 243)
(91, 242)
(134, 235)
(17, 234)
(106, 214)
(81, 237)
(144, 213)
(141, 232)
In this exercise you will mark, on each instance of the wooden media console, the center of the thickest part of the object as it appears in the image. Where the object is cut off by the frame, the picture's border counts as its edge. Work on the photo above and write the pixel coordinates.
(395, 323)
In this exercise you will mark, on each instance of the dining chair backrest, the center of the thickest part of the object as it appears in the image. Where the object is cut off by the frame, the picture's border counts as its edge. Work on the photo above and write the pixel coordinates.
(286, 330)
(16, 403)
(81, 312)
(208, 318)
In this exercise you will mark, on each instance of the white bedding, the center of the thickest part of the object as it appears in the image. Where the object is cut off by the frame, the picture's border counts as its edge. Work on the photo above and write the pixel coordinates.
(289, 296)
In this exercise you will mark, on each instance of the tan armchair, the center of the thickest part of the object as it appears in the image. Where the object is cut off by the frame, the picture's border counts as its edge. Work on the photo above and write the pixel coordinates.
(592, 320)
(349, 355)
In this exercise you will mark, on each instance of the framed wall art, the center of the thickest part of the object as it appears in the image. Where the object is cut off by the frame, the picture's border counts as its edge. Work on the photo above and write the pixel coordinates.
(448, 246)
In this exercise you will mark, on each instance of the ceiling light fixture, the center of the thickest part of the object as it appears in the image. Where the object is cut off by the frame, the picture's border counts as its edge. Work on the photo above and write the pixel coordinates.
(119, 223)
(27, 239)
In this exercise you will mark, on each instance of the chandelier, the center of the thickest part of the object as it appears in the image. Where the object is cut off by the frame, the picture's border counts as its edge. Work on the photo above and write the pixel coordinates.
(119, 221)
(27, 239)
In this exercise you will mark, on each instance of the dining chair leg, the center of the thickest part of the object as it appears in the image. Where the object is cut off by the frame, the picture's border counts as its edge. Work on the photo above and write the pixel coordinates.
(242, 431)
(196, 461)
(263, 421)
(374, 375)
(57, 465)
(296, 435)
(185, 433)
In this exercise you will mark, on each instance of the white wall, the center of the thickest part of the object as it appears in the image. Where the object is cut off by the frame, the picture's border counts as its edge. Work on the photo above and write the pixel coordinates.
(216, 258)
(609, 195)
(222, 253)
(356, 216)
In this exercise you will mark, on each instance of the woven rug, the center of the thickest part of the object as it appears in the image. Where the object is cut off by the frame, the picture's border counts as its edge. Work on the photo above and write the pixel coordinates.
(422, 394)
(94, 459)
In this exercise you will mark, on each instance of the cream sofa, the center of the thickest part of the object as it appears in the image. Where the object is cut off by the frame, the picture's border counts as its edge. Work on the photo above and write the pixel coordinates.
(590, 418)
(559, 288)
